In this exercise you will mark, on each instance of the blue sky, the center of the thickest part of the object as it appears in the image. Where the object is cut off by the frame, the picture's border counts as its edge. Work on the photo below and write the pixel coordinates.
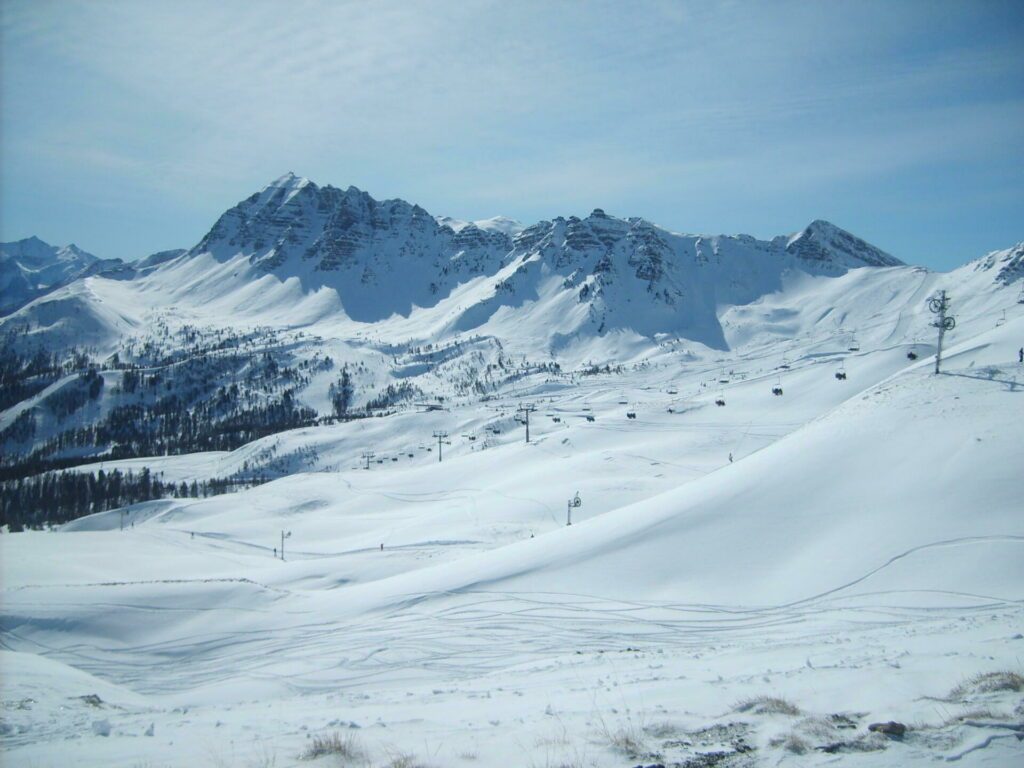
(128, 127)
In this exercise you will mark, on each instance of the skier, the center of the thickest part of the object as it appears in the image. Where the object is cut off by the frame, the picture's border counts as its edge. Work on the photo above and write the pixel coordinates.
(1020, 355)
(730, 458)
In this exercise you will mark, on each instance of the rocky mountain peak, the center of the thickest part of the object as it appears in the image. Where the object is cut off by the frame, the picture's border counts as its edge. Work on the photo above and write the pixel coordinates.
(823, 243)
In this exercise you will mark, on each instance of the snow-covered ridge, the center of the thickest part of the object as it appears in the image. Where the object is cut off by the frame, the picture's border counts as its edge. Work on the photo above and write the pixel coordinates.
(585, 276)
(30, 268)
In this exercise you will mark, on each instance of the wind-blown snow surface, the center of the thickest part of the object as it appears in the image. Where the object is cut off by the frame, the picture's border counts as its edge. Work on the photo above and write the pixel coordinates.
(863, 555)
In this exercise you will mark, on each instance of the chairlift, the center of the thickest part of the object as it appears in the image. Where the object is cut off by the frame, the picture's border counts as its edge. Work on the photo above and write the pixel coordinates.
(720, 400)
(854, 346)
(630, 414)
(911, 355)
(1001, 320)
(623, 402)
(673, 391)
(556, 419)
(841, 373)
(589, 417)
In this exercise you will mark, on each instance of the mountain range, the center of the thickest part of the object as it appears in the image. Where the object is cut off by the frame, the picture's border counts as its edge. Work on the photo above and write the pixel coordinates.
(301, 292)
(303, 253)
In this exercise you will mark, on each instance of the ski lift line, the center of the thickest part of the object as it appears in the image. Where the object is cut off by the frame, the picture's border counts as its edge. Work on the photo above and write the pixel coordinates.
(739, 442)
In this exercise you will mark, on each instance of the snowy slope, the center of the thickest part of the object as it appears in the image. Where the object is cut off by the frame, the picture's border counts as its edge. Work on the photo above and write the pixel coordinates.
(868, 558)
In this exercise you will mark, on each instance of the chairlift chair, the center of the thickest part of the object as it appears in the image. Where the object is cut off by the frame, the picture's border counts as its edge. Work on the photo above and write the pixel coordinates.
(911, 355)
(630, 414)
(720, 400)
(589, 417)
(841, 373)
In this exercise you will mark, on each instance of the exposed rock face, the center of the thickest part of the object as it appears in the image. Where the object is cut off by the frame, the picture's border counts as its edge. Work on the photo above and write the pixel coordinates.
(823, 242)
(386, 257)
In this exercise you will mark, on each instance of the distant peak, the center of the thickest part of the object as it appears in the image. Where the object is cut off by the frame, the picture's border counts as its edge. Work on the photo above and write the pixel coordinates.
(822, 241)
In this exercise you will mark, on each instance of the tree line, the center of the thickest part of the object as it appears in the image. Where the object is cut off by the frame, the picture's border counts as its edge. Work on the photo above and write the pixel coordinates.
(59, 497)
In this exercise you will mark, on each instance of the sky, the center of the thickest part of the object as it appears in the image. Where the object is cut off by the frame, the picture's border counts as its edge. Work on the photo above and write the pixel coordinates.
(129, 127)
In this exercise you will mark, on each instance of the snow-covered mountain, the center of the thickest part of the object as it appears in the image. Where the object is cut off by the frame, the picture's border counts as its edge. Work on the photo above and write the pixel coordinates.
(30, 268)
(421, 306)
(789, 527)
(385, 258)
(305, 253)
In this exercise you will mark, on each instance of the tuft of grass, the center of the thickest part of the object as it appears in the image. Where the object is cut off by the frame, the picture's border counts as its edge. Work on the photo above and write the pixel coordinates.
(791, 742)
(768, 705)
(627, 741)
(626, 738)
(662, 730)
(989, 682)
(973, 714)
(404, 761)
(346, 747)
